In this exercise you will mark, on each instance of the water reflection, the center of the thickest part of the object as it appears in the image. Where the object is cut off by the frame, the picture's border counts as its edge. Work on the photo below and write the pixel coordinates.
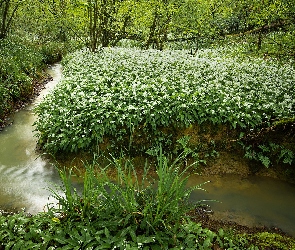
(253, 201)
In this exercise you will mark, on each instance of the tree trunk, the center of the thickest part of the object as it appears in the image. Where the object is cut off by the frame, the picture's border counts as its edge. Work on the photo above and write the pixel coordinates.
(3, 30)
(6, 19)
(103, 25)
(151, 37)
(93, 19)
(259, 41)
(103, 30)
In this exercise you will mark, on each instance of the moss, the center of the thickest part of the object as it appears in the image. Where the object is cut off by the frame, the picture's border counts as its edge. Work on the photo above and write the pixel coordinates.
(284, 122)
(266, 240)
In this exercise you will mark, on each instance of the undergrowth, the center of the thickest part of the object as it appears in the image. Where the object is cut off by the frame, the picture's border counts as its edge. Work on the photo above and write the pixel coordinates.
(136, 100)
(22, 61)
(128, 211)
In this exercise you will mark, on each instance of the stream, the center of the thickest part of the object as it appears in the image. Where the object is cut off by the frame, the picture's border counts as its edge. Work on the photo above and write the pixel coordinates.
(251, 201)
(25, 178)
(24, 175)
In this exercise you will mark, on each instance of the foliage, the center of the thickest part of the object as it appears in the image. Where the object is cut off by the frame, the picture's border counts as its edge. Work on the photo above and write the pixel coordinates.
(50, 21)
(53, 52)
(264, 154)
(18, 63)
(20, 231)
(8, 10)
(21, 62)
(130, 212)
(271, 240)
(108, 22)
(142, 205)
(122, 97)
(42, 231)
(197, 23)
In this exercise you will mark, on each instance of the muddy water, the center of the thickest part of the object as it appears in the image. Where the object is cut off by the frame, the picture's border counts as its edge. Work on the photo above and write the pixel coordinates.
(252, 201)
(24, 175)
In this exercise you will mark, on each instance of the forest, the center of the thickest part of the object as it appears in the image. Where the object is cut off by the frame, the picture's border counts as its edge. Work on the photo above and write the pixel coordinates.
(36, 33)
(151, 92)
(46, 30)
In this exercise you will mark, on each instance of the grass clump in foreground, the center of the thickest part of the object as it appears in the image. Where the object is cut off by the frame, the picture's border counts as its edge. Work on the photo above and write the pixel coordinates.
(124, 214)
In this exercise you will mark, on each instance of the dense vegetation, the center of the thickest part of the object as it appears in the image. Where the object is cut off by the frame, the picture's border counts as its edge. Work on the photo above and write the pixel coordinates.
(133, 212)
(138, 100)
(41, 32)
(21, 64)
(190, 77)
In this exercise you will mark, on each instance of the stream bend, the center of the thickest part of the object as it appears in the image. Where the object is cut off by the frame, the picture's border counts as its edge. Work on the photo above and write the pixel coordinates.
(25, 178)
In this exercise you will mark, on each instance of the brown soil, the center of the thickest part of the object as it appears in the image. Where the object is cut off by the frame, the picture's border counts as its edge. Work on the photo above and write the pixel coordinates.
(206, 219)
(227, 163)
(233, 162)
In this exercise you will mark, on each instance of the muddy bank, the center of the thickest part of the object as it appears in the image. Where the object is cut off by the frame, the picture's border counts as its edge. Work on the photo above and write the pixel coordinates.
(220, 149)
(226, 162)
(38, 85)
(262, 236)
(234, 162)
(204, 215)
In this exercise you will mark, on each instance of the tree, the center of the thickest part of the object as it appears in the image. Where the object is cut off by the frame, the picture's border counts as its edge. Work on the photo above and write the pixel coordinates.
(58, 20)
(269, 22)
(196, 22)
(8, 9)
(162, 13)
(108, 21)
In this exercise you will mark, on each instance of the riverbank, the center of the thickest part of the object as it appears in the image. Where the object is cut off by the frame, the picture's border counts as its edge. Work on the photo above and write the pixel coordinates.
(234, 162)
(38, 85)
(263, 237)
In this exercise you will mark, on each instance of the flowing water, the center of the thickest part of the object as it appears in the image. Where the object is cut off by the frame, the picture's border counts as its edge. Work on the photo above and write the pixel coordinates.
(251, 201)
(25, 178)
(24, 175)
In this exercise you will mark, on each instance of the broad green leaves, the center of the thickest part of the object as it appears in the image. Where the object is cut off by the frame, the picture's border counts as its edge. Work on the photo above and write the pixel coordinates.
(117, 93)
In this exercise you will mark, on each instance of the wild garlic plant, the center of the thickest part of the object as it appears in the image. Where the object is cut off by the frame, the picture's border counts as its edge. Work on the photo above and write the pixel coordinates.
(116, 93)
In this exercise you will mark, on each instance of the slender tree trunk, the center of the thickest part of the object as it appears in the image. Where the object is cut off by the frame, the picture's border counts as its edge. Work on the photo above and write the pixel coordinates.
(7, 17)
(259, 41)
(151, 37)
(3, 30)
(103, 25)
(93, 19)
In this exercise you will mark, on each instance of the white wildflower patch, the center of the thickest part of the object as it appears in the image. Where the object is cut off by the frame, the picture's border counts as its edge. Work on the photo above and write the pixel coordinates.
(116, 89)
